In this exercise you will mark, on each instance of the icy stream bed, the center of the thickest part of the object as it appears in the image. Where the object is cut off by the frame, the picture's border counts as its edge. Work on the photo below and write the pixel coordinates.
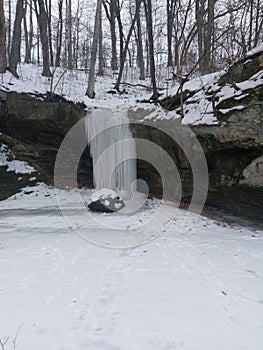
(197, 291)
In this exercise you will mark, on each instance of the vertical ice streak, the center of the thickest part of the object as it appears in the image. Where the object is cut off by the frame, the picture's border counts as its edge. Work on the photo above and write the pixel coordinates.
(112, 148)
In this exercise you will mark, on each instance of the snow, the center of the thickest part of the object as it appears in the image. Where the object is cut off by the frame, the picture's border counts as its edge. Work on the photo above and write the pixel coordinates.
(17, 166)
(257, 49)
(236, 108)
(63, 288)
(102, 193)
(200, 290)
(72, 86)
(198, 108)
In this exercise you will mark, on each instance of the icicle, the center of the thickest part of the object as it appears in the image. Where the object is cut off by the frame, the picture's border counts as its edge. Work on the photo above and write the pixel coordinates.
(112, 148)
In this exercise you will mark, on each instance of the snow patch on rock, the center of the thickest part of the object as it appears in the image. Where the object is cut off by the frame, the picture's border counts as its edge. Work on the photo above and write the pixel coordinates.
(17, 166)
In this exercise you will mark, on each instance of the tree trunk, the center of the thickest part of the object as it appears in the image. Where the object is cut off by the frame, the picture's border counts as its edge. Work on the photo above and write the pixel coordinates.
(49, 29)
(77, 37)
(258, 24)
(43, 31)
(59, 34)
(101, 59)
(69, 33)
(199, 11)
(16, 41)
(27, 44)
(170, 12)
(149, 23)
(9, 34)
(209, 38)
(97, 26)
(111, 15)
(3, 62)
(140, 49)
(121, 35)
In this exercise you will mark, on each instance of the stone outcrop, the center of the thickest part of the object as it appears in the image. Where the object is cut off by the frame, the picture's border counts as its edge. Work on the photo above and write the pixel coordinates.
(33, 127)
(233, 148)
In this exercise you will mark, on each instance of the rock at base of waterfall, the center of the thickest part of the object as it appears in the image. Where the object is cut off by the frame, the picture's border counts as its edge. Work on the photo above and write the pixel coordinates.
(106, 201)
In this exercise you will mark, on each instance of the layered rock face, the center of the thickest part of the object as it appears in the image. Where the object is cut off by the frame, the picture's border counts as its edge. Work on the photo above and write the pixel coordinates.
(33, 127)
(233, 147)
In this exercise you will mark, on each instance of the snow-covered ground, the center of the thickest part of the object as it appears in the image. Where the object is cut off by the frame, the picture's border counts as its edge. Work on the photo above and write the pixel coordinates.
(197, 291)
(71, 84)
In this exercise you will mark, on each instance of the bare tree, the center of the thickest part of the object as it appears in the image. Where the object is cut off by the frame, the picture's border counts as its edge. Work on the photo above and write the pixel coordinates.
(43, 31)
(200, 23)
(110, 10)
(101, 58)
(205, 20)
(184, 33)
(59, 33)
(209, 37)
(69, 33)
(96, 33)
(149, 22)
(123, 54)
(27, 39)
(3, 62)
(9, 29)
(120, 26)
(140, 51)
(48, 7)
(16, 40)
(170, 10)
(76, 35)
(258, 22)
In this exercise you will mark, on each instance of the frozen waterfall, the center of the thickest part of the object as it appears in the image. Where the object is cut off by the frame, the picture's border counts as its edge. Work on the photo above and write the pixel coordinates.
(112, 148)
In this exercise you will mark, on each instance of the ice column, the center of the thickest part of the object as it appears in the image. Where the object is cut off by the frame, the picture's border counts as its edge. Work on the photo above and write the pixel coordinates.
(112, 148)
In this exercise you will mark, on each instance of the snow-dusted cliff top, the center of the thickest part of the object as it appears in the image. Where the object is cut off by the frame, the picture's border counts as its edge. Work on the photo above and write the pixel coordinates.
(198, 108)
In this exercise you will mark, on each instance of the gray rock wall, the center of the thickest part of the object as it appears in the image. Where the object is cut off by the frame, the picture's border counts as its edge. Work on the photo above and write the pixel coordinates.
(33, 127)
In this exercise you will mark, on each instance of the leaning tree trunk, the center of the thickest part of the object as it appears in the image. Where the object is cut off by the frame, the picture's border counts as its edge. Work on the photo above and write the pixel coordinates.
(16, 41)
(97, 27)
(2, 39)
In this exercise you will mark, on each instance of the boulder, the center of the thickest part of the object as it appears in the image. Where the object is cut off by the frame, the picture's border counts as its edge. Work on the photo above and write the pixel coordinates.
(106, 201)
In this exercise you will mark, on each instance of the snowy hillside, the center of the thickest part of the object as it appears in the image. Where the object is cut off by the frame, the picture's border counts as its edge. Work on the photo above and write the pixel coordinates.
(198, 109)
